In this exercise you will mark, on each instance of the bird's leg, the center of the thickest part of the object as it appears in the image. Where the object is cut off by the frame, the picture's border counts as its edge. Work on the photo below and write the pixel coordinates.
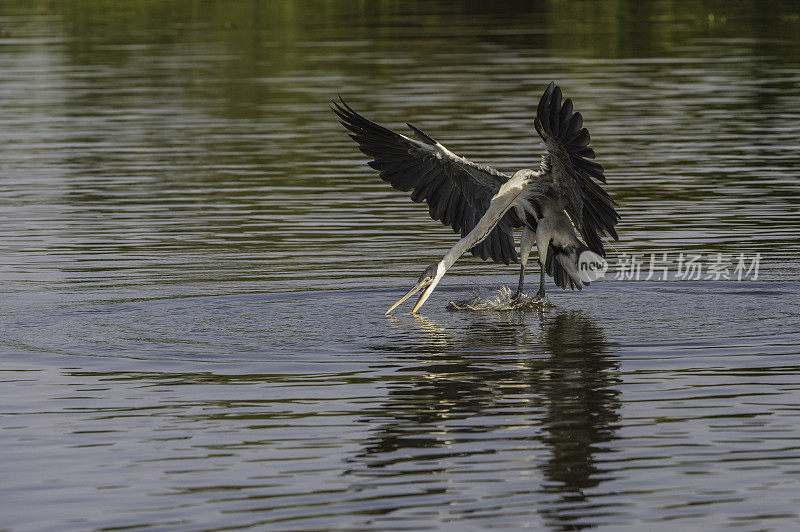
(525, 244)
(540, 292)
(521, 281)
(544, 231)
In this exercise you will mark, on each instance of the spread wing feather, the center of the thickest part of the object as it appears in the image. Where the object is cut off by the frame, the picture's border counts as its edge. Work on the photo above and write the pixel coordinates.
(457, 190)
(569, 160)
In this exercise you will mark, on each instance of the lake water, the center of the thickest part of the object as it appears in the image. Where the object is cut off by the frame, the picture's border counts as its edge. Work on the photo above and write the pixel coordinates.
(195, 262)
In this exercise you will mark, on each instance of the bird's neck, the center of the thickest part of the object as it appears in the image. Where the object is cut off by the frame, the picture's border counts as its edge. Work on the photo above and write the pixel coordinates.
(498, 206)
(461, 247)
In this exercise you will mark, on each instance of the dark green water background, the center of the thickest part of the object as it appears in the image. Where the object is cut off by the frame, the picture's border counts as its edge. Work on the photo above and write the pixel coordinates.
(195, 261)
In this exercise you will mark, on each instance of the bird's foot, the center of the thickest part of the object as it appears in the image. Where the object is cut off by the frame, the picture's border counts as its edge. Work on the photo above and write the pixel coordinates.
(517, 296)
(539, 295)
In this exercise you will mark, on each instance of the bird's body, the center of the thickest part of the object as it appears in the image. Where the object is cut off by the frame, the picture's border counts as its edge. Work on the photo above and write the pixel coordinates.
(553, 205)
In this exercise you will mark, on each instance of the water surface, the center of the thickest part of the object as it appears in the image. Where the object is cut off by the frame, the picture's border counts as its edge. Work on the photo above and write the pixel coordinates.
(195, 261)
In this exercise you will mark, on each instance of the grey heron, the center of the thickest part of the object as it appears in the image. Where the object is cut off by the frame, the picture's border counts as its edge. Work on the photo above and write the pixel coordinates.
(559, 206)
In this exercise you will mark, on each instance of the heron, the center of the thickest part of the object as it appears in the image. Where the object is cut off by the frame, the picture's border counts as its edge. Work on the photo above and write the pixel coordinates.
(560, 207)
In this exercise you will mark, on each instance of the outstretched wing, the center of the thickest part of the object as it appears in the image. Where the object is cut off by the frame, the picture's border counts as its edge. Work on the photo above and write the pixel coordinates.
(568, 160)
(457, 190)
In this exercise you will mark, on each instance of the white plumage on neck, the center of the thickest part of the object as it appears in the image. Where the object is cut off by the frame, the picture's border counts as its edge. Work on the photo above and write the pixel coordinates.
(509, 195)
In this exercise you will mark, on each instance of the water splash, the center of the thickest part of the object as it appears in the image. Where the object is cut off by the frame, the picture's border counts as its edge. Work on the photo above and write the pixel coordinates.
(501, 299)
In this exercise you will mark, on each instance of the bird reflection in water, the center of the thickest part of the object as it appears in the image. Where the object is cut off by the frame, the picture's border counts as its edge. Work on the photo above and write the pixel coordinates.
(516, 397)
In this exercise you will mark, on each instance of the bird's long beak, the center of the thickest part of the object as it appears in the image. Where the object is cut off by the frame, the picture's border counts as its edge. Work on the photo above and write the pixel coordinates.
(414, 290)
(423, 297)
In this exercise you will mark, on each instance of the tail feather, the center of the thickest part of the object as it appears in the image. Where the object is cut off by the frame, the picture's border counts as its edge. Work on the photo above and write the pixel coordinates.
(562, 265)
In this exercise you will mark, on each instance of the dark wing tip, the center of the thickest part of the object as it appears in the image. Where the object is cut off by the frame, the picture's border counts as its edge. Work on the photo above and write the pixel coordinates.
(556, 120)
(344, 104)
(338, 109)
(421, 136)
(557, 123)
(542, 111)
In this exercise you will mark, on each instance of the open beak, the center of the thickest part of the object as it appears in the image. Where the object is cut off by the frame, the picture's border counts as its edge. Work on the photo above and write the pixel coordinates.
(423, 297)
(414, 290)
(428, 285)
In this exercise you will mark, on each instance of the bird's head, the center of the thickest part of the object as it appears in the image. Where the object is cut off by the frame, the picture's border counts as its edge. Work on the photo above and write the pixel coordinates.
(428, 280)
